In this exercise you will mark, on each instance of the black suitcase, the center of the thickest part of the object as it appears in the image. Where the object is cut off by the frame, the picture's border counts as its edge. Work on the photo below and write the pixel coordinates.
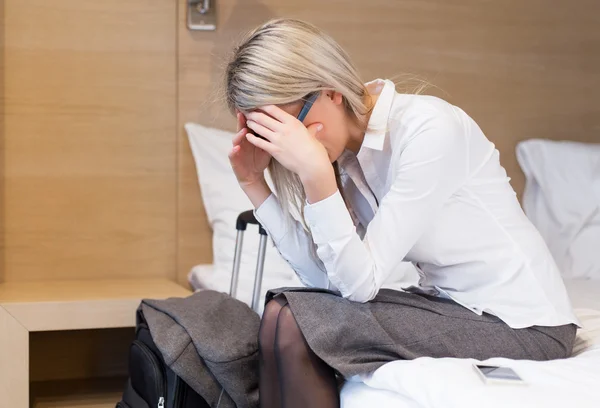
(151, 383)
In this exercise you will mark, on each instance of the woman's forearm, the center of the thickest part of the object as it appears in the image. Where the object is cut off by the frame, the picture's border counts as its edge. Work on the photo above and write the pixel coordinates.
(319, 184)
(257, 192)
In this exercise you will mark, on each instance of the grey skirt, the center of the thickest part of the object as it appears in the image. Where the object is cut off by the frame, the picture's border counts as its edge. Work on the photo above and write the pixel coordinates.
(355, 338)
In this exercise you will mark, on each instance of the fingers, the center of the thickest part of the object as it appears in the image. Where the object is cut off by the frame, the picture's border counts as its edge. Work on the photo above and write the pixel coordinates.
(241, 120)
(239, 136)
(315, 128)
(265, 120)
(277, 113)
(234, 150)
(261, 130)
(261, 144)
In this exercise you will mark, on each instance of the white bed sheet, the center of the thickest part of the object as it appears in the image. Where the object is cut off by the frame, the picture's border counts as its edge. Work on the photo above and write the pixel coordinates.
(453, 383)
(206, 276)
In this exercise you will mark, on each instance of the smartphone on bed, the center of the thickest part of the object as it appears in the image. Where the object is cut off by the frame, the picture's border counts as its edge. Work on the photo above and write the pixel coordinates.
(498, 375)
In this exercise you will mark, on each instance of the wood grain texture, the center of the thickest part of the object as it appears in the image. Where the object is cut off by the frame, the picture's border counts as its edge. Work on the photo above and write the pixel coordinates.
(77, 305)
(95, 393)
(55, 314)
(520, 69)
(14, 362)
(88, 290)
(90, 151)
(2, 132)
(75, 315)
(202, 57)
(79, 354)
(194, 238)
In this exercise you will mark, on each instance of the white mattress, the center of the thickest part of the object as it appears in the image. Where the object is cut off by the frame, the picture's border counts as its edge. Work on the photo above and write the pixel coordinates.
(452, 383)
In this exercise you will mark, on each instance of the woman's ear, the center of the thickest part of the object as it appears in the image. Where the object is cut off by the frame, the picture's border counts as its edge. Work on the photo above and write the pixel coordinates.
(335, 97)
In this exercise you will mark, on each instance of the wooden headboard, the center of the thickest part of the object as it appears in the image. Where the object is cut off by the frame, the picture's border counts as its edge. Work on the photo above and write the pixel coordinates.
(521, 69)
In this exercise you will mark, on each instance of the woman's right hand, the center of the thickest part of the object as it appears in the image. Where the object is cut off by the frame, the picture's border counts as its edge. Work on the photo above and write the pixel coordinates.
(247, 161)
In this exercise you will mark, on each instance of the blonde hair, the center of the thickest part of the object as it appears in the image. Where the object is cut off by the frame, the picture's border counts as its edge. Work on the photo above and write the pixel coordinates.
(282, 62)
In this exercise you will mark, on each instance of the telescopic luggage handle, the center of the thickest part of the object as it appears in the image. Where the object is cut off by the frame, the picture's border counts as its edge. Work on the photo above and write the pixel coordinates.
(242, 222)
(245, 218)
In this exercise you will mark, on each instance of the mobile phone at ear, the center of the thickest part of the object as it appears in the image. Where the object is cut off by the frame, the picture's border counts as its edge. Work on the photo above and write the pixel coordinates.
(498, 375)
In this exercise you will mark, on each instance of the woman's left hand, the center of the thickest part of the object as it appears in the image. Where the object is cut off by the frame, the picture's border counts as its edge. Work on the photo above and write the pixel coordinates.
(289, 141)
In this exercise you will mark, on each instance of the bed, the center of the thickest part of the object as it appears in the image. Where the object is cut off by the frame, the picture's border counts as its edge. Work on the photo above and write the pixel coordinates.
(450, 382)
(562, 198)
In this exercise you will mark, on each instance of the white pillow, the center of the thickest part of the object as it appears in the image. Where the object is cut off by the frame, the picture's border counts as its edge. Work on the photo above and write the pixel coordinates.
(224, 200)
(562, 199)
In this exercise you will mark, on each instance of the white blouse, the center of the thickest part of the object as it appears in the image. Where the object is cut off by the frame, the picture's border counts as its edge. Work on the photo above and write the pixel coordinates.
(426, 187)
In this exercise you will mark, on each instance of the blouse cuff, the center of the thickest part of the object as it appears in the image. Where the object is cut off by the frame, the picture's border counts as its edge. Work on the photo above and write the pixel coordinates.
(271, 217)
(329, 219)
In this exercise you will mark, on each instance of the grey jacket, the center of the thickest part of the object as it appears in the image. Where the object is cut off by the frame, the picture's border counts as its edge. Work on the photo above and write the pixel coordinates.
(210, 340)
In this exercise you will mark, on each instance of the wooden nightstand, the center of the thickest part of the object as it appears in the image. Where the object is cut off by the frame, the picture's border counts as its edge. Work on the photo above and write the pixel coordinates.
(27, 307)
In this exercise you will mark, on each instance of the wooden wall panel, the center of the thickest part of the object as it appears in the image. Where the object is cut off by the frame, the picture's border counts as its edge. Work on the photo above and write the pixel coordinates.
(1, 139)
(90, 148)
(521, 69)
(202, 56)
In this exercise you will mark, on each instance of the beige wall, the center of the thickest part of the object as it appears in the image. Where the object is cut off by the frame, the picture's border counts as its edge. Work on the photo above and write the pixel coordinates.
(90, 175)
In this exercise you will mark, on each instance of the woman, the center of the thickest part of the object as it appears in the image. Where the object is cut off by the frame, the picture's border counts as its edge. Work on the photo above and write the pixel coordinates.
(375, 178)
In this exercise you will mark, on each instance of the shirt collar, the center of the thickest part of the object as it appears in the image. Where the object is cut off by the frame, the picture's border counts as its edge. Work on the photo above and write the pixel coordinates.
(378, 122)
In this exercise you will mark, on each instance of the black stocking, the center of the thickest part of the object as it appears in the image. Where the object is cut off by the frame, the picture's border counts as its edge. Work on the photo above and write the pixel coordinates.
(306, 381)
(269, 386)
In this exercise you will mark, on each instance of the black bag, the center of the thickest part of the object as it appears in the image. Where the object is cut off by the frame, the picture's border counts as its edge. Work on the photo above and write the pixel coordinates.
(151, 383)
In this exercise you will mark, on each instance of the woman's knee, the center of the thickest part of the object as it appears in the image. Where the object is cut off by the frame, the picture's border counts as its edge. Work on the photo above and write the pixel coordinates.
(268, 325)
(289, 338)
